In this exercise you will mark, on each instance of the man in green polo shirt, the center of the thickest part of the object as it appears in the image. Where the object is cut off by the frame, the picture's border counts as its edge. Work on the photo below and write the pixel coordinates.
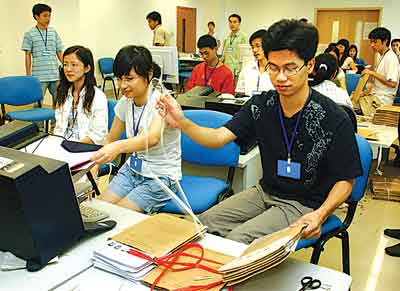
(231, 56)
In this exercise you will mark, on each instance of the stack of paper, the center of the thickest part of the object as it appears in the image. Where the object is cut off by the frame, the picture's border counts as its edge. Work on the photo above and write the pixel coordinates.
(387, 115)
(386, 188)
(116, 258)
(265, 253)
(160, 234)
(50, 147)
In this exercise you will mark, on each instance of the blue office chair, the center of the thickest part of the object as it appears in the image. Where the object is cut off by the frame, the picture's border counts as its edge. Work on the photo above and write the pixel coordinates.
(333, 226)
(105, 168)
(351, 82)
(23, 90)
(106, 70)
(204, 192)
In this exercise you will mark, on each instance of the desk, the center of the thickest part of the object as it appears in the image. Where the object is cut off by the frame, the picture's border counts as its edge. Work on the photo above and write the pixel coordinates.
(247, 173)
(74, 268)
(386, 136)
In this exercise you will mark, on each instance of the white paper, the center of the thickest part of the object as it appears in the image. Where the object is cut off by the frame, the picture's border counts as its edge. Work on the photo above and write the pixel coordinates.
(4, 162)
(50, 147)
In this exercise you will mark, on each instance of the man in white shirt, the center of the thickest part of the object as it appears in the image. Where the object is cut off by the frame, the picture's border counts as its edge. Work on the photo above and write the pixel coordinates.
(161, 36)
(253, 78)
(383, 80)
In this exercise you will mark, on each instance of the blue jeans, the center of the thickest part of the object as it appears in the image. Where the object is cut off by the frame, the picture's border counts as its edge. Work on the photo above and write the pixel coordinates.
(143, 191)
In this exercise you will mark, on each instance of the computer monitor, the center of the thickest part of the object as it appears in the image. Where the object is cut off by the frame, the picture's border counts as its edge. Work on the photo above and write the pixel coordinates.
(167, 58)
(39, 212)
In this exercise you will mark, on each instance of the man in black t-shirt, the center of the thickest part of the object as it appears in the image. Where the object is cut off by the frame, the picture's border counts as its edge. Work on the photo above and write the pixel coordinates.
(307, 145)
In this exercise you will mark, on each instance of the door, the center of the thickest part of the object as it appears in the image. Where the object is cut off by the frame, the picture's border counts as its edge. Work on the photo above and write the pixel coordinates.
(186, 29)
(353, 24)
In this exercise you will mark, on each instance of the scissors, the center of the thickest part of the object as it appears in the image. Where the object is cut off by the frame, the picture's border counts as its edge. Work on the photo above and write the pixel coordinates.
(309, 283)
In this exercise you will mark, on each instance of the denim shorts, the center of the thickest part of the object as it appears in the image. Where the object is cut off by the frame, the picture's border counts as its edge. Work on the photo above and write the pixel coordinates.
(143, 191)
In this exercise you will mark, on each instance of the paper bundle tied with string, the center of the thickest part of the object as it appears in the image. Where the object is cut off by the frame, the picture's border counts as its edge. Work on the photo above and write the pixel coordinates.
(265, 253)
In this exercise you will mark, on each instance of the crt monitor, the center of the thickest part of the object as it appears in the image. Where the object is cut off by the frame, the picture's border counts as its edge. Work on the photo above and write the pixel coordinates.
(167, 58)
(39, 212)
(245, 55)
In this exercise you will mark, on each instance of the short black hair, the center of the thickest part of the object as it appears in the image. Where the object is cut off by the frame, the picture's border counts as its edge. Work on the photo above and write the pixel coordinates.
(381, 33)
(206, 41)
(258, 34)
(133, 57)
(344, 42)
(333, 48)
(292, 35)
(237, 16)
(304, 20)
(395, 40)
(37, 9)
(211, 22)
(154, 15)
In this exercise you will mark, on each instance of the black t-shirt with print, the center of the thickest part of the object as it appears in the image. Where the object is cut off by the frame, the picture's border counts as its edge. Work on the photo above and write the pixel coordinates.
(325, 146)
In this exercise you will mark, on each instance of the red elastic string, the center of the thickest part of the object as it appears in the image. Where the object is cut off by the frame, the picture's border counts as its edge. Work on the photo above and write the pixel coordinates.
(168, 261)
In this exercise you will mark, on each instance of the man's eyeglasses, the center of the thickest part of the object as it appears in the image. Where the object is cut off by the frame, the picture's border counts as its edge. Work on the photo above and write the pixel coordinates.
(287, 71)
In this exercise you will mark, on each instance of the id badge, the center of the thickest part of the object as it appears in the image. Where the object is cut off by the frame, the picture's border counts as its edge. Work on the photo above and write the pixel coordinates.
(46, 53)
(136, 163)
(229, 50)
(289, 170)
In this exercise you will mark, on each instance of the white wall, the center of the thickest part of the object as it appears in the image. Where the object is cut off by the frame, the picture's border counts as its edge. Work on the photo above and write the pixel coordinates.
(258, 14)
(102, 25)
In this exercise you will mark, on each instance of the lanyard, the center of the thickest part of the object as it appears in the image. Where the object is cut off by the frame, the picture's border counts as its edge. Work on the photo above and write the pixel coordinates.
(381, 59)
(136, 128)
(209, 76)
(232, 39)
(41, 35)
(283, 127)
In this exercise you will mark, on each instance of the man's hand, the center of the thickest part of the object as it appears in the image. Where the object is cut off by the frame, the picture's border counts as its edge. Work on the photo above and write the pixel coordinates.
(314, 221)
(169, 109)
(106, 154)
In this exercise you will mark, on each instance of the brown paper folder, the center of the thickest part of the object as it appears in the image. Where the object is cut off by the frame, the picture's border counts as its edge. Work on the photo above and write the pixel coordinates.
(173, 280)
(160, 234)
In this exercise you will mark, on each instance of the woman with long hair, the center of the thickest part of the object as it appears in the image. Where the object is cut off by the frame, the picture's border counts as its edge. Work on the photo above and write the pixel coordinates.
(81, 108)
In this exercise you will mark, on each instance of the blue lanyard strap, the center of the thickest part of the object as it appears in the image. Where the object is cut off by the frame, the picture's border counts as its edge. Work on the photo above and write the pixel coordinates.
(136, 128)
(289, 146)
(41, 35)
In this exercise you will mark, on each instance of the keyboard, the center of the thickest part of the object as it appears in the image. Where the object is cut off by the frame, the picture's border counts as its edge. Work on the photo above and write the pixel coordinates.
(90, 214)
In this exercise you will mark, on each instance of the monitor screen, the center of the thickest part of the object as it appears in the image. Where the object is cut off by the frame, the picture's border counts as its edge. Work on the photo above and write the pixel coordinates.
(167, 58)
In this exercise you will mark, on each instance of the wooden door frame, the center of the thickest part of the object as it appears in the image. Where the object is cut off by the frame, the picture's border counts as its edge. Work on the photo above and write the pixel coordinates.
(380, 9)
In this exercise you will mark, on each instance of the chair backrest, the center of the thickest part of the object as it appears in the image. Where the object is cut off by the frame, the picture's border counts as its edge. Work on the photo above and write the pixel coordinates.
(106, 65)
(20, 90)
(360, 182)
(192, 152)
(111, 114)
(351, 82)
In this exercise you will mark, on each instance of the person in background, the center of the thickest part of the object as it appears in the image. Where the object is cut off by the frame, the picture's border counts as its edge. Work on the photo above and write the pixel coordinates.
(383, 80)
(340, 79)
(345, 61)
(43, 49)
(212, 72)
(213, 33)
(325, 70)
(395, 45)
(161, 36)
(81, 108)
(231, 52)
(353, 53)
(254, 78)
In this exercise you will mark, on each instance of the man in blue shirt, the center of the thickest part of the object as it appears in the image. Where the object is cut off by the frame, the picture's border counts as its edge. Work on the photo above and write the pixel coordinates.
(42, 46)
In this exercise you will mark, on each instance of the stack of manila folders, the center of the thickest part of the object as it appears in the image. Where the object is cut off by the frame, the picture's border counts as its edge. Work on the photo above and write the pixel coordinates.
(161, 252)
